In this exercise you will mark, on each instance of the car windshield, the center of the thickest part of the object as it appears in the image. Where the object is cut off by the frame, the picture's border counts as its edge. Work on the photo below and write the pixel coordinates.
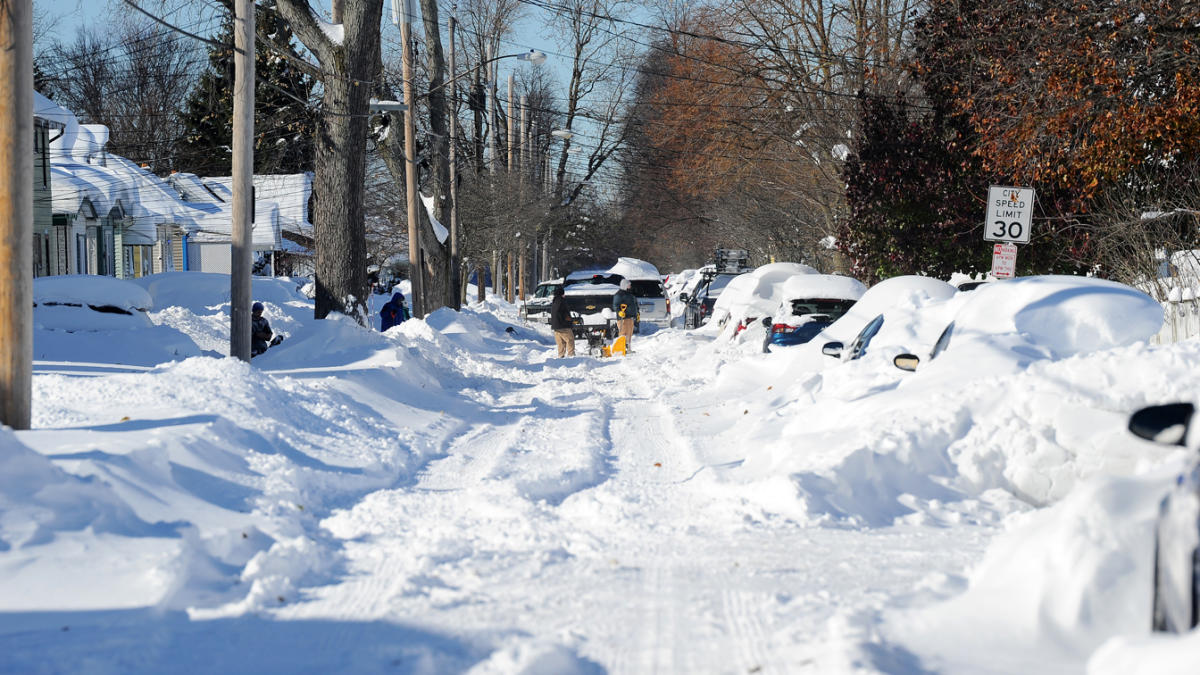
(833, 308)
(545, 290)
(719, 283)
(597, 278)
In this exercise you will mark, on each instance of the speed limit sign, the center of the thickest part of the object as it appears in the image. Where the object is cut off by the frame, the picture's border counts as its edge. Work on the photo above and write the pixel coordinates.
(1009, 214)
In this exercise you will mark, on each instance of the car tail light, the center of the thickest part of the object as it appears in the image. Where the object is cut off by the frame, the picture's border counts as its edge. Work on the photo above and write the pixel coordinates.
(668, 306)
(783, 328)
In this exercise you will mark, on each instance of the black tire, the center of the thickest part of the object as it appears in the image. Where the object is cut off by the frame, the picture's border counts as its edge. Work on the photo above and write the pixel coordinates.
(1158, 616)
(1159, 622)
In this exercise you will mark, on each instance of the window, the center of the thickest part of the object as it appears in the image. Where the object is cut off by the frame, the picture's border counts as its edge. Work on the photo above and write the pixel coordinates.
(647, 288)
(859, 346)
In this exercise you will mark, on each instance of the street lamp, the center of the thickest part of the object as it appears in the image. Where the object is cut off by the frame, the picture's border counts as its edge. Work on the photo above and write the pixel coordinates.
(387, 106)
(533, 56)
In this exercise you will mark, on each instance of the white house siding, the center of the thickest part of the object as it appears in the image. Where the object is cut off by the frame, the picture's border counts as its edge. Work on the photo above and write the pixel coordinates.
(213, 257)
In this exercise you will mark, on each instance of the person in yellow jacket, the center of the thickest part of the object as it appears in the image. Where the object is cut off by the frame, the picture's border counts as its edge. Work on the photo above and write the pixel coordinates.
(626, 308)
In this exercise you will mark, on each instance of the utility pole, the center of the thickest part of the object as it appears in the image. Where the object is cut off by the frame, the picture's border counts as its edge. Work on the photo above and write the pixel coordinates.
(455, 263)
(491, 85)
(524, 136)
(16, 213)
(509, 286)
(416, 268)
(512, 115)
(243, 180)
(521, 270)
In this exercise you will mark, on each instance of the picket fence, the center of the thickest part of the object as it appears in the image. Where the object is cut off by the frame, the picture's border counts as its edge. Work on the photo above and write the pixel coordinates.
(1181, 320)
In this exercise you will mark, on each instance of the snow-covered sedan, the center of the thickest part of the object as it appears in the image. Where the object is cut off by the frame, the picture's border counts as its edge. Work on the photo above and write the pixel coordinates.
(811, 302)
(1006, 325)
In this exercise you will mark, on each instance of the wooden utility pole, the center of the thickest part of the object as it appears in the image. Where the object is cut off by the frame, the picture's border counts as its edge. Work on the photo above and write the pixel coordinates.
(491, 85)
(495, 272)
(240, 296)
(16, 213)
(509, 287)
(460, 289)
(512, 117)
(524, 136)
(416, 268)
(521, 271)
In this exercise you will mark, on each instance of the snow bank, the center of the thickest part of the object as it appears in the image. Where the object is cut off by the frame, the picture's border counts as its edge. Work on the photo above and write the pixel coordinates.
(38, 499)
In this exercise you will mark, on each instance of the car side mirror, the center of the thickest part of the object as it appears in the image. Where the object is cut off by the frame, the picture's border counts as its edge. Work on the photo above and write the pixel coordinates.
(906, 362)
(683, 297)
(766, 321)
(1166, 424)
(833, 349)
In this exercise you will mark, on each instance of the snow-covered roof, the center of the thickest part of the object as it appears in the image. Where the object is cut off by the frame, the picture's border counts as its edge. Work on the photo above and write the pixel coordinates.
(51, 111)
(634, 269)
(288, 194)
(821, 286)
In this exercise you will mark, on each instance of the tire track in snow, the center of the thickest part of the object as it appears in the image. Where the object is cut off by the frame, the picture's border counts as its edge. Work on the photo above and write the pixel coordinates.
(653, 465)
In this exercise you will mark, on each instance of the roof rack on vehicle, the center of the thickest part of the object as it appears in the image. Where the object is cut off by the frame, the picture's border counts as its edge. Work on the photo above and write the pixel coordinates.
(731, 260)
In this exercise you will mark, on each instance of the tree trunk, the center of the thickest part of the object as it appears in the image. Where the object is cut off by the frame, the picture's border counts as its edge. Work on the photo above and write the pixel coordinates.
(440, 291)
(340, 154)
(338, 228)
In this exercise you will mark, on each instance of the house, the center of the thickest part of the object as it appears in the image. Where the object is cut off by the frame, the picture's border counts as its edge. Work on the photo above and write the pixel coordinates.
(48, 119)
(104, 214)
(289, 196)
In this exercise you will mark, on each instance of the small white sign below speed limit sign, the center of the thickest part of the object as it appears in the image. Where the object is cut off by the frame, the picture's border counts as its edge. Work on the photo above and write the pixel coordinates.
(1009, 213)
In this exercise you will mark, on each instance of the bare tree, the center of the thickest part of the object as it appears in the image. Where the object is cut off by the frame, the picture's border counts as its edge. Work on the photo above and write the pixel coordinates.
(131, 81)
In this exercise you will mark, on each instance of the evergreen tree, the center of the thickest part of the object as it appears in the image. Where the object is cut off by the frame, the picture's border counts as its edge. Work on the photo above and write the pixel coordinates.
(284, 119)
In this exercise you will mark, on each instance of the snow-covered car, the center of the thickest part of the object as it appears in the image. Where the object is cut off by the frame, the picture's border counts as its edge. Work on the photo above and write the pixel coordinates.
(810, 303)
(755, 295)
(1006, 325)
(700, 295)
(647, 286)
(1177, 528)
(898, 313)
(79, 315)
(698, 301)
(102, 303)
(537, 308)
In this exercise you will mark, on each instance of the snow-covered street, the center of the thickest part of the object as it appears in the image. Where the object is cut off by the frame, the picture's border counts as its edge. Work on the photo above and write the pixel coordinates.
(449, 497)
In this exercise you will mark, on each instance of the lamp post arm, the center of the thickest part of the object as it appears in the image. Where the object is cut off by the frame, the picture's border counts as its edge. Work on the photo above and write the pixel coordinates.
(533, 56)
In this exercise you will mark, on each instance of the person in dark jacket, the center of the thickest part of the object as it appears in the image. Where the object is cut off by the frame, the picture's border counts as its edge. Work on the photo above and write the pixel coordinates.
(260, 330)
(560, 322)
(625, 306)
(393, 313)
